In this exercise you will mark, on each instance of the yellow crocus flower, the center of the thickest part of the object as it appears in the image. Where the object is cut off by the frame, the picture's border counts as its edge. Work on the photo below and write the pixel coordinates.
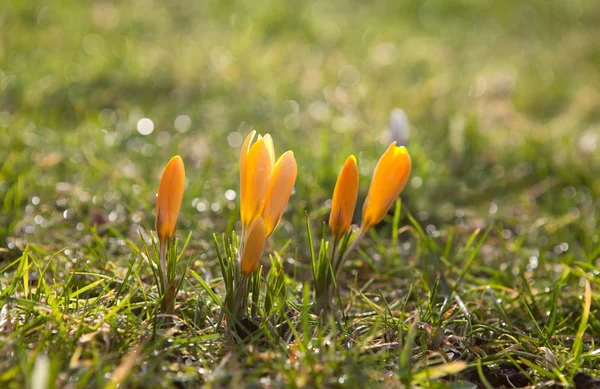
(389, 179)
(256, 165)
(265, 186)
(344, 199)
(169, 197)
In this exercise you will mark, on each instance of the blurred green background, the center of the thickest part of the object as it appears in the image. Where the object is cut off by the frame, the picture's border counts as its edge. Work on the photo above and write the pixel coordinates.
(96, 96)
(503, 100)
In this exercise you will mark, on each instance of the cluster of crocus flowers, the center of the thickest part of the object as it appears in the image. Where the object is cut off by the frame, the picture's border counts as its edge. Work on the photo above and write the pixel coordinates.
(168, 204)
(265, 188)
(389, 179)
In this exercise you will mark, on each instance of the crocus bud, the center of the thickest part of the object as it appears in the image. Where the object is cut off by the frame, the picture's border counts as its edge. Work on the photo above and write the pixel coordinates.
(389, 179)
(256, 164)
(344, 198)
(280, 189)
(168, 201)
(253, 246)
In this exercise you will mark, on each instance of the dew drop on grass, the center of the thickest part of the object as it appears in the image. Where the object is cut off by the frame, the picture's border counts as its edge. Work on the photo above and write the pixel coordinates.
(430, 229)
(416, 182)
(145, 126)
(230, 194)
(234, 139)
(182, 123)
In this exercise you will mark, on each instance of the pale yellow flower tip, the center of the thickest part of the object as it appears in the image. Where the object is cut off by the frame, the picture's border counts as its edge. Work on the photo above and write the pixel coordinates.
(280, 190)
(389, 179)
(253, 246)
(169, 197)
(344, 198)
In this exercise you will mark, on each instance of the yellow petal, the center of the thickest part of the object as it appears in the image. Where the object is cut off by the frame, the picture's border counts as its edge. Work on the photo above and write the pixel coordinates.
(389, 179)
(280, 189)
(168, 201)
(270, 147)
(253, 246)
(344, 198)
(257, 176)
(243, 167)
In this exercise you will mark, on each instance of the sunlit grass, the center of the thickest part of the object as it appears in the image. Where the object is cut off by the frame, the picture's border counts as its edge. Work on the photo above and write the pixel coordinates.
(486, 275)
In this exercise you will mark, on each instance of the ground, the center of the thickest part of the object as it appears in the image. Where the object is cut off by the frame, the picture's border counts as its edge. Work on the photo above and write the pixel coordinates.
(489, 278)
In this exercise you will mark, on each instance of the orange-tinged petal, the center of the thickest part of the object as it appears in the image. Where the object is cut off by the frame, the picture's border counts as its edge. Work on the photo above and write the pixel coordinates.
(253, 246)
(258, 174)
(389, 179)
(168, 201)
(243, 164)
(280, 189)
(344, 198)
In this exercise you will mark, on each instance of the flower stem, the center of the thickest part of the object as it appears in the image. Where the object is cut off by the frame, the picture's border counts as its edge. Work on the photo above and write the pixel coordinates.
(361, 233)
(162, 254)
